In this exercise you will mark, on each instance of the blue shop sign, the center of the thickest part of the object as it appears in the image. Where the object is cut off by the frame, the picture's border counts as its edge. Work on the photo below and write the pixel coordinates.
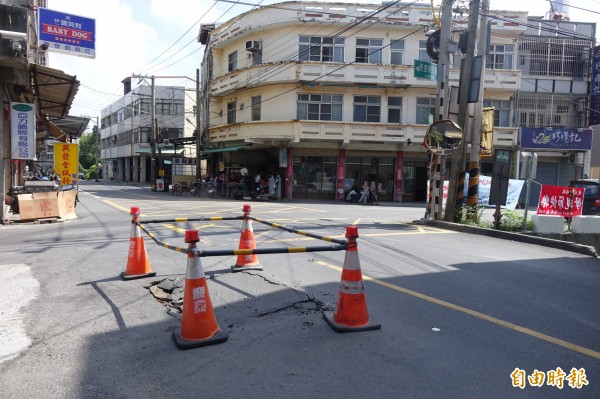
(556, 138)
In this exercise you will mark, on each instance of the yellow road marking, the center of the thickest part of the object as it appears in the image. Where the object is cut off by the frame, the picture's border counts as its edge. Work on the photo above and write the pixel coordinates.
(117, 206)
(474, 313)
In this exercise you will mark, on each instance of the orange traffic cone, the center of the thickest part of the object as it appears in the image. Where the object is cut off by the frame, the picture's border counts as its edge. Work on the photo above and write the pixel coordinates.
(138, 265)
(198, 322)
(351, 312)
(247, 262)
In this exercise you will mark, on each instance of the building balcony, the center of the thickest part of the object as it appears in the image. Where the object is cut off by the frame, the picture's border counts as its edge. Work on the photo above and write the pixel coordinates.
(340, 75)
(278, 133)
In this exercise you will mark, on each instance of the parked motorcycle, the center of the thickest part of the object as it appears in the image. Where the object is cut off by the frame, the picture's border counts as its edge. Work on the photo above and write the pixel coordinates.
(195, 189)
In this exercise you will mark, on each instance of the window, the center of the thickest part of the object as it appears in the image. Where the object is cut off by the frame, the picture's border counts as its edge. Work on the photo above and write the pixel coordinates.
(394, 109)
(397, 52)
(255, 110)
(423, 56)
(320, 107)
(232, 66)
(501, 112)
(322, 49)
(257, 58)
(500, 56)
(368, 51)
(425, 110)
(231, 111)
(367, 109)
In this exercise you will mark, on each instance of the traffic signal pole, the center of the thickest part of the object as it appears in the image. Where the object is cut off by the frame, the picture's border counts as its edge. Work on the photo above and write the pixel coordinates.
(459, 157)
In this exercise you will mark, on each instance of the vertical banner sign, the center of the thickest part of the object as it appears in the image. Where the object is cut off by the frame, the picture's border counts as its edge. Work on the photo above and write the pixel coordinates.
(487, 132)
(341, 166)
(67, 33)
(561, 201)
(22, 131)
(66, 162)
(595, 88)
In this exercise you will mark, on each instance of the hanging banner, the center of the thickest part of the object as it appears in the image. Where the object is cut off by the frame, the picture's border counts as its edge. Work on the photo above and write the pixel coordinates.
(560, 200)
(487, 132)
(66, 162)
(483, 192)
(22, 131)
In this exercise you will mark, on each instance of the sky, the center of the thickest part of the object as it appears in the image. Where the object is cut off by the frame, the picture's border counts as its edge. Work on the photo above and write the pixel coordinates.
(159, 37)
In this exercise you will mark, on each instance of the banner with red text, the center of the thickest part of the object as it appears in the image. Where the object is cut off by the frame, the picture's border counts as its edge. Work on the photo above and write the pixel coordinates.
(560, 200)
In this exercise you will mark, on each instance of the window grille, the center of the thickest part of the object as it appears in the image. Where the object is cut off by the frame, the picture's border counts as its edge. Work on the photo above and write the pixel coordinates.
(554, 57)
(548, 110)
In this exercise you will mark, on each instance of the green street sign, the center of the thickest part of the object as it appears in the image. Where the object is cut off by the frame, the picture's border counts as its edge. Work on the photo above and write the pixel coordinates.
(425, 70)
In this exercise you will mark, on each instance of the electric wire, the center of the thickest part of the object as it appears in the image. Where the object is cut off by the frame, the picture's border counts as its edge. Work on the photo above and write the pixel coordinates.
(284, 64)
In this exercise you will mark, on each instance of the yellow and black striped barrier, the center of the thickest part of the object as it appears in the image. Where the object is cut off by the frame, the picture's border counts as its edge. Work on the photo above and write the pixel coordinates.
(162, 244)
(301, 232)
(205, 219)
(341, 245)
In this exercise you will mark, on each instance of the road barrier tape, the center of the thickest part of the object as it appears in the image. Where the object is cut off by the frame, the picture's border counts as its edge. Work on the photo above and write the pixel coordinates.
(262, 251)
(301, 232)
(257, 251)
(206, 219)
(163, 244)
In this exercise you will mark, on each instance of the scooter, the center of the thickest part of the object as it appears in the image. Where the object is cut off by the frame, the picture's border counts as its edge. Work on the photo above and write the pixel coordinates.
(195, 189)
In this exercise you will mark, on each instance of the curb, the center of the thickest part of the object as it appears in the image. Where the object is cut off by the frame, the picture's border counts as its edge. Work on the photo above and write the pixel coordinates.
(525, 238)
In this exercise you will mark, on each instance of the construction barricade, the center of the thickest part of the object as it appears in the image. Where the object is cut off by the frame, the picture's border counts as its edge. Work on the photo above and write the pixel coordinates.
(199, 326)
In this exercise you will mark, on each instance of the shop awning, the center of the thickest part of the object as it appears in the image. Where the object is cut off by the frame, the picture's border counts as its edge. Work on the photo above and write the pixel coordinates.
(223, 149)
(53, 89)
(163, 151)
(74, 126)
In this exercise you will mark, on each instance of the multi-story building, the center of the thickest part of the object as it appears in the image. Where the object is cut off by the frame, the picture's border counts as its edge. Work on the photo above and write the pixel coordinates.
(26, 78)
(554, 59)
(325, 95)
(127, 135)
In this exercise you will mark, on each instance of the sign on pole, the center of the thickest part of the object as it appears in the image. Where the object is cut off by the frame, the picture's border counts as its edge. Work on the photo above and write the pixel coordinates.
(595, 88)
(67, 33)
(561, 201)
(425, 70)
(66, 162)
(22, 131)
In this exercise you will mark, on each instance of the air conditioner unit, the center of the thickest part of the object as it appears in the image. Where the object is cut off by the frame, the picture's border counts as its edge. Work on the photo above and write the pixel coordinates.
(253, 46)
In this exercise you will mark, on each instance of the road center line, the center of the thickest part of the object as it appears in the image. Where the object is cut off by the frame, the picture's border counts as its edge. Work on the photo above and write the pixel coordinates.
(474, 313)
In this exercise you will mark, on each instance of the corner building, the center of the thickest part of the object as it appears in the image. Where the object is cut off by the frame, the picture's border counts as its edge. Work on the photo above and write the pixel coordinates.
(325, 95)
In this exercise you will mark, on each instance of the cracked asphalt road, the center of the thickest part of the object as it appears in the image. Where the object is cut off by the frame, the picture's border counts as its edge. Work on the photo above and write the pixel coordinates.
(459, 312)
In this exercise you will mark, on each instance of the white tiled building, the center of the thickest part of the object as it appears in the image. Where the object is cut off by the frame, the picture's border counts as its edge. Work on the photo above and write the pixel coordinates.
(126, 131)
(324, 94)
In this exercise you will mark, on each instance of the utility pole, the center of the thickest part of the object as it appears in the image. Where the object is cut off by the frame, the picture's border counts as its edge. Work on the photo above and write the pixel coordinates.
(153, 141)
(438, 161)
(97, 147)
(474, 161)
(198, 128)
(459, 158)
(444, 58)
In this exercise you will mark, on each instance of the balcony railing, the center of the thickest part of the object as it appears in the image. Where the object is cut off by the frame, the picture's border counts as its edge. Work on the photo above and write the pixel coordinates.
(355, 75)
(339, 132)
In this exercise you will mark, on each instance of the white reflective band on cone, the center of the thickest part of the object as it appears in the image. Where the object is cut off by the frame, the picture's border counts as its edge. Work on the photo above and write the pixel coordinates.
(194, 269)
(351, 287)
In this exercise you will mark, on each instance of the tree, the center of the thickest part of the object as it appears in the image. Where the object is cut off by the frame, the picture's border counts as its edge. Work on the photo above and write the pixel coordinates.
(87, 149)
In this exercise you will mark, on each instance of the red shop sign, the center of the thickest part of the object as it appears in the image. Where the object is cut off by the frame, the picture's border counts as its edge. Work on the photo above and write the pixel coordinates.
(561, 201)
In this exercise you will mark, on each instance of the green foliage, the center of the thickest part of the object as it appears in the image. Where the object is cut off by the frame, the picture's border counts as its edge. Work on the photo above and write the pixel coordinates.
(87, 150)
(509, 221)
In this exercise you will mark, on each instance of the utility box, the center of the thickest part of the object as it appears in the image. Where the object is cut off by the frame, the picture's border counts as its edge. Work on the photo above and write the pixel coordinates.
(500, 174)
